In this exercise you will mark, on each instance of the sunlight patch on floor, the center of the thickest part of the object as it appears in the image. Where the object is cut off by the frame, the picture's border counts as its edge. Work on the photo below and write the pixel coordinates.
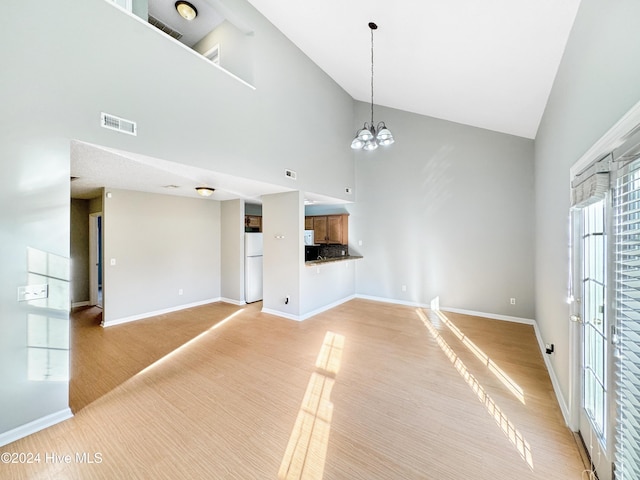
(507, 381)
(306, 451)
(508, 428)
(191, 342)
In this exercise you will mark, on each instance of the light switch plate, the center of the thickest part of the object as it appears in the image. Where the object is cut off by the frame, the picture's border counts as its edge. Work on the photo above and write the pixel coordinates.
(32, 292)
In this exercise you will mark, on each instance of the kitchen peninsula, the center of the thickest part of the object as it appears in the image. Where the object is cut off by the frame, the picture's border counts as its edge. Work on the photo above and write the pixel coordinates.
(331, 239)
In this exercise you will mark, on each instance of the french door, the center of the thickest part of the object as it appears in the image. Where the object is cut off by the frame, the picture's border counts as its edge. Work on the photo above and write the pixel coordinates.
(595, 355)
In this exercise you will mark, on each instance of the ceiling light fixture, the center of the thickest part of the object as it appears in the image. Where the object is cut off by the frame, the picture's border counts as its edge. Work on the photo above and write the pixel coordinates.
(186, 10)
(205, 191)
(370, 136)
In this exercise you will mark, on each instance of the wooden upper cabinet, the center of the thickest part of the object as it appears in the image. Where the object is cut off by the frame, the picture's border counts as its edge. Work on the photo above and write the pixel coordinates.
(333, 229)
(320, 229)
(308, 223)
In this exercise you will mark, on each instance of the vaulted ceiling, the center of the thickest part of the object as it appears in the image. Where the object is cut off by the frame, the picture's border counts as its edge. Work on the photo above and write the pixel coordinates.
(488, 63)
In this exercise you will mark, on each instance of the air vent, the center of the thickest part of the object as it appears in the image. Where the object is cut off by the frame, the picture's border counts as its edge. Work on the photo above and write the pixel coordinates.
(290, 174)
(164, 28)
(116, 123)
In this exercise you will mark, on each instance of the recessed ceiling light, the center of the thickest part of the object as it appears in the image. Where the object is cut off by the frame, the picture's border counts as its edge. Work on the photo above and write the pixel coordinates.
(186, 10)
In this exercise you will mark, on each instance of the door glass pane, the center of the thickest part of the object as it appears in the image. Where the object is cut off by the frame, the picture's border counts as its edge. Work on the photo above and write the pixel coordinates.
(594, 316)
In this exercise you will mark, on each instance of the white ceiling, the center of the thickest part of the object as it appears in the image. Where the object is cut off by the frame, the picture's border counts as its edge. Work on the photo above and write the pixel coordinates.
(95, 167)
(489, 63)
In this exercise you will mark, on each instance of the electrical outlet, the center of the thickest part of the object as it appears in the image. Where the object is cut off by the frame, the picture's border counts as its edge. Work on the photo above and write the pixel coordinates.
(512, 301)
(112, 262)
(180, 291)
(404, 288)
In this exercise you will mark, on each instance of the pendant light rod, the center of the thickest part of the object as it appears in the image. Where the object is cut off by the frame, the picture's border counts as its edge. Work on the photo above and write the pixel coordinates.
(371, 135)
(373, 27)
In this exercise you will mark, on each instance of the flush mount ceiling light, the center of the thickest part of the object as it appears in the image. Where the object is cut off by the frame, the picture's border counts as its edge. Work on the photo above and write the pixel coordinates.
(371, 135)
(205, 191)
(186, 10)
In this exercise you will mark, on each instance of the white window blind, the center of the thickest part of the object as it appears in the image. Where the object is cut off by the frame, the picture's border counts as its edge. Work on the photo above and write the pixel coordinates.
(627, 335)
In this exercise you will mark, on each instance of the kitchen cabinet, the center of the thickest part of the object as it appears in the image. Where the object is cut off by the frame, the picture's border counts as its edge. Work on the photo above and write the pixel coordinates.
(252, 223)
(308, 223)
(330, 229)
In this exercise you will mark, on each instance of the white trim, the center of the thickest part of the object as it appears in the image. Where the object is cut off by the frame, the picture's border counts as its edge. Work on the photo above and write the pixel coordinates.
(312, 313)
(232, 301)
(133, 318)
(278, 313)
(208, 53)
(326, 307)
(564, 407)
(609, 141)
(492, 316)
(86, 303)
(35, 426)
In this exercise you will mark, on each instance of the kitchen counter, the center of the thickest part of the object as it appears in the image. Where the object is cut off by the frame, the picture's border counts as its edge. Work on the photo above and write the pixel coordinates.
(332, 260)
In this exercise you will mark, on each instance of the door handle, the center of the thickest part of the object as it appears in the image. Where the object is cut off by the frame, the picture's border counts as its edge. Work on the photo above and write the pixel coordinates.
(575, 318)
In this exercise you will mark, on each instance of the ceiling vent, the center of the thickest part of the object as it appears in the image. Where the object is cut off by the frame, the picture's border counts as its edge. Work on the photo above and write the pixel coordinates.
(164, 28)
(116, 123)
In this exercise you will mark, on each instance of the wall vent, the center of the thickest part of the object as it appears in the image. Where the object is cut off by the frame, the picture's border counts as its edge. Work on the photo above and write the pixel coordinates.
(116, 123)
(290, 174)
(164, 28)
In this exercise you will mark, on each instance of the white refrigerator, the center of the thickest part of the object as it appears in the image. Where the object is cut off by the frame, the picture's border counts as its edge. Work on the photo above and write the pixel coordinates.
(252, 267)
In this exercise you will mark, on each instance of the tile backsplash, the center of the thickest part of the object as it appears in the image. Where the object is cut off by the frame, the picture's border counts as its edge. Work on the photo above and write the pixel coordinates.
(331, 251)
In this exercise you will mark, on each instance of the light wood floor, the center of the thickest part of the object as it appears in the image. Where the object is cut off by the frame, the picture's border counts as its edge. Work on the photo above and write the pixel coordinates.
(366, 390)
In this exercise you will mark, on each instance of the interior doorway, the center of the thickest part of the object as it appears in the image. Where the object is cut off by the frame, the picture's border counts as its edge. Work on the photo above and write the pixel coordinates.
(96, 293)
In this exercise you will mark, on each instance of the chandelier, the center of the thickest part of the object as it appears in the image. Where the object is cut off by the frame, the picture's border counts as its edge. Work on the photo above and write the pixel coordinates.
(372, 135)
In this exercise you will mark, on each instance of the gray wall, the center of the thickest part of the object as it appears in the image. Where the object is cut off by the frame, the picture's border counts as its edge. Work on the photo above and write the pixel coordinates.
(447, 211)
(142, 75)
(161, 244)
(283, 254)
(79, 251)
(598, 81)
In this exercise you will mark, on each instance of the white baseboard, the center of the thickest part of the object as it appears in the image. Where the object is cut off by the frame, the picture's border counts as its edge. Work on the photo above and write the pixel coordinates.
(326, 307)
(86, 303)
(34, 426)
(232, 301)
(492, 316)
(300, 318)
(278, 313)
(564, 408)
(133, 318)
